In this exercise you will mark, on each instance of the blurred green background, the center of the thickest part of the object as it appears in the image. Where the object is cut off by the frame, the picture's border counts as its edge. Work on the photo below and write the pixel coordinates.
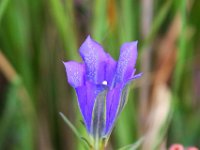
(37, 35)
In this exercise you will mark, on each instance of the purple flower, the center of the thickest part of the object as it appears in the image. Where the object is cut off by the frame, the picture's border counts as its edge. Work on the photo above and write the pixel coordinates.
(101, 84)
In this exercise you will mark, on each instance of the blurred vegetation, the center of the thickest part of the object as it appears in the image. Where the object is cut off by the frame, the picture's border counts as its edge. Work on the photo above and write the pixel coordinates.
(36, 36)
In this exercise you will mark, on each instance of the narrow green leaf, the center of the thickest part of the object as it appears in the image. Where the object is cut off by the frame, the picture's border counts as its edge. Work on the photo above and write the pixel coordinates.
(161, 15)
(133, 146)
(73, 128)
(128, 20)
(99, 21)
(65, 26)
(3, 6)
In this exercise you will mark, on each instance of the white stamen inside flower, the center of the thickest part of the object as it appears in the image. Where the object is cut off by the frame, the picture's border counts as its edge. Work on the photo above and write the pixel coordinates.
(104, 83)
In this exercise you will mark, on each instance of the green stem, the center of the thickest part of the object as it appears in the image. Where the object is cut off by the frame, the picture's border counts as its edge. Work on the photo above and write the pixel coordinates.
(98, 145)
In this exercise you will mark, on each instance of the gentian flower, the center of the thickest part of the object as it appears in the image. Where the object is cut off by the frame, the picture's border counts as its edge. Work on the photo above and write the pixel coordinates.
(101, 84)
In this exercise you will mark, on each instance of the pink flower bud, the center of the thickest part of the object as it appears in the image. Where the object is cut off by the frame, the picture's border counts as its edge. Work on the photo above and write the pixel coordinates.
(176, 147)
(192, 148)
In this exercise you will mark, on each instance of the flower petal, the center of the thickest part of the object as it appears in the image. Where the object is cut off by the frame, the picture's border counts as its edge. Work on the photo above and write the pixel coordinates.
(112, 107)
(123, 98)
(126, 62)
(86, 98)
(95, 58)
(110, 69)
(75, 73)
(116, 100)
